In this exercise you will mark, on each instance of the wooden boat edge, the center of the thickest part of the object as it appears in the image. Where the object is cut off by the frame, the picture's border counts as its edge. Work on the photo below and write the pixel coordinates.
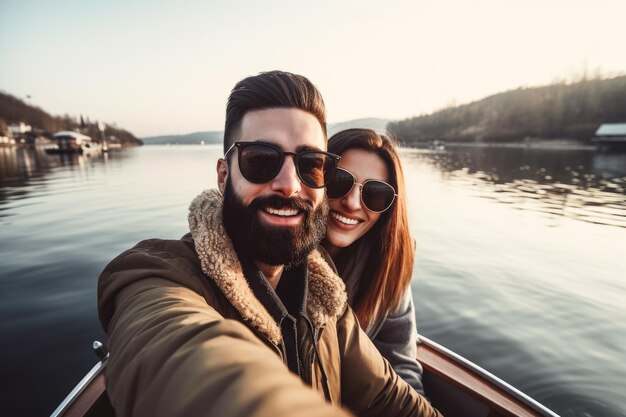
(85, 394)
(496, 397)
(500, 397)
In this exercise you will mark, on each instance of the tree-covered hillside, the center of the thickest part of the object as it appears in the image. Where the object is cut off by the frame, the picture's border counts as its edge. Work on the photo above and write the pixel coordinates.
(557, 111)
(14, 110)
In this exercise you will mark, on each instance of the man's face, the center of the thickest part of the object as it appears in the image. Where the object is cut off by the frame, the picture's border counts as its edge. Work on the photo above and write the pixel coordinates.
(280, 221)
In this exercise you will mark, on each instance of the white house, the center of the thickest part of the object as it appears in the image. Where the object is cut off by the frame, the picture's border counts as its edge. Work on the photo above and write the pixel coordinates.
(19, 128)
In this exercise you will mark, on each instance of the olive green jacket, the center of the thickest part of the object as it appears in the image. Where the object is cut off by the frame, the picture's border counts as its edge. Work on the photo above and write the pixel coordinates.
(187, 337)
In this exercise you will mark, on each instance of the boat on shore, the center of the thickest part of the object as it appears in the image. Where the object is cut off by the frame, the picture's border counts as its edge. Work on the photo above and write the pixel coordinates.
(454, 385)
(84, 149)
(68, 142)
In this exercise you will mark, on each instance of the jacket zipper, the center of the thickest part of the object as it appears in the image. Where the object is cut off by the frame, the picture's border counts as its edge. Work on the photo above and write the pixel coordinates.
(316, 356)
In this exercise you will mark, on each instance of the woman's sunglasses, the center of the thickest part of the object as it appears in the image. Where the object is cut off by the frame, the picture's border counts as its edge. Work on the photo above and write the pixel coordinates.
(377, 196)
(260, 162)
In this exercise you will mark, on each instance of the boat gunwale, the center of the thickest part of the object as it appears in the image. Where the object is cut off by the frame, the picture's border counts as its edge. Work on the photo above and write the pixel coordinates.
(84, 383)
(498, 383)
(474, 371)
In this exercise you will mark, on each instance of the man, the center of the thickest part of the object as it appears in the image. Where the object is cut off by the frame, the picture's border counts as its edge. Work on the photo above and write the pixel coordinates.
(243, 316)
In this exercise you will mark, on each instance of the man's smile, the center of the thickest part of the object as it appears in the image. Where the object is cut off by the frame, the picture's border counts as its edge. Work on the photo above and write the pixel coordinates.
(285, 216)
(288, 212)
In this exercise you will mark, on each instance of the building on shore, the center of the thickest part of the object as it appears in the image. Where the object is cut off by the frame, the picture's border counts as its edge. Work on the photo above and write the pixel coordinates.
(611, 135)
(19, 129)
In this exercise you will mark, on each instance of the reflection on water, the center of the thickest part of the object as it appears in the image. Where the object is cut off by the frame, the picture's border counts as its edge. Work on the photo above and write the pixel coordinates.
(24, 169)
(19, 164)
(584, 185)
(520, 267)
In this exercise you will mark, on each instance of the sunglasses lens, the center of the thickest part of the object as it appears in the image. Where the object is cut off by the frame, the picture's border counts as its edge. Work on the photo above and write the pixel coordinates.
(259, 163)
(340, 185)
(377, 195)
(315, 168)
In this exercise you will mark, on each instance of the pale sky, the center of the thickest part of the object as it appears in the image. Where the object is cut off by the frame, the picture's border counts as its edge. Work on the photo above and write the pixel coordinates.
(167, 67)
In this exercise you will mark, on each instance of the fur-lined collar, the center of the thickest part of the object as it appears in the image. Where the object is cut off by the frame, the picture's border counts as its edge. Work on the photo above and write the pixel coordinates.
(327, 295)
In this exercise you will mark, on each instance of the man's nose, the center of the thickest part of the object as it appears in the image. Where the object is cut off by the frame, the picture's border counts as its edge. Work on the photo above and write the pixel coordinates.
(287, 181)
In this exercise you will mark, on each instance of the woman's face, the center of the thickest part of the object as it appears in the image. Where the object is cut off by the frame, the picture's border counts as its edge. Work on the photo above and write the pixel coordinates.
(348, 219)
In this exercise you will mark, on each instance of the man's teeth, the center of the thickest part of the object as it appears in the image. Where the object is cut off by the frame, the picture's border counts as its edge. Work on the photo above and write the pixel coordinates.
(282, 212)
(344, 219)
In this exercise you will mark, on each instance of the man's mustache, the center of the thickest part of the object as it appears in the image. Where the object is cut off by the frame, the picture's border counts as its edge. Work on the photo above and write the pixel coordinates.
(278, 202)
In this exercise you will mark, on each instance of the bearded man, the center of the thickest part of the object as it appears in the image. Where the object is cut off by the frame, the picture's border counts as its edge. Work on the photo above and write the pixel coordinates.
(243, 316)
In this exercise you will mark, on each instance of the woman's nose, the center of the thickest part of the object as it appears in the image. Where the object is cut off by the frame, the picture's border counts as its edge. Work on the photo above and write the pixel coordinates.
(352, 200)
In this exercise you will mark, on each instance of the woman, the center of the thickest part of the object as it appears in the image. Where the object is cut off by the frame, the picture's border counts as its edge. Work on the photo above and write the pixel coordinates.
(368, 238)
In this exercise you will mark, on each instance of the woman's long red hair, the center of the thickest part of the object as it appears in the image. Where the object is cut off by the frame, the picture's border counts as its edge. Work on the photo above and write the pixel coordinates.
(390, 264)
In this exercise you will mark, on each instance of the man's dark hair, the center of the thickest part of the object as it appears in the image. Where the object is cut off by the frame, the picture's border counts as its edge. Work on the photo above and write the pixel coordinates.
(273, 89)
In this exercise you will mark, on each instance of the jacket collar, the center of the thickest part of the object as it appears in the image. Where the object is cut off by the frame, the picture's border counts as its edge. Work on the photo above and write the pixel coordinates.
(326, 298)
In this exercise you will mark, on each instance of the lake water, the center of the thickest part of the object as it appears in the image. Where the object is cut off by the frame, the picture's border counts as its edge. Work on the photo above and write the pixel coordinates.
(521, 261)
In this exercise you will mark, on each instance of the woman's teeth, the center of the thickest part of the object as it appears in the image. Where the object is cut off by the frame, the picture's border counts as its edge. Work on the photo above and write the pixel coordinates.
(344, 219)
(282, 212)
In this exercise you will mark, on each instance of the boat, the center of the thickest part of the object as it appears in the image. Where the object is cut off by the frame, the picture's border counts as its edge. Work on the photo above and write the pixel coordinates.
(88, 148)
(454, 385)
(72, 142)
(437, 145)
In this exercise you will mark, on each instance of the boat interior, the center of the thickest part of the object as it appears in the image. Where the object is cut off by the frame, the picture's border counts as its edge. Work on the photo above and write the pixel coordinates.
(455, 386)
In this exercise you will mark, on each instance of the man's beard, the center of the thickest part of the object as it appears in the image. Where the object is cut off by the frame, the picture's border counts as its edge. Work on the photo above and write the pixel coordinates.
(273, 245)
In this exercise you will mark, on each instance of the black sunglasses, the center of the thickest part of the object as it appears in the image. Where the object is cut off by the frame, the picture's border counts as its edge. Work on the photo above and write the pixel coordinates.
(260, 162)
(377, 196)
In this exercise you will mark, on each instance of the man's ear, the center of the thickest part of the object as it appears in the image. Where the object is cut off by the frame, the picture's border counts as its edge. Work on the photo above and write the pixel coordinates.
(222, 174)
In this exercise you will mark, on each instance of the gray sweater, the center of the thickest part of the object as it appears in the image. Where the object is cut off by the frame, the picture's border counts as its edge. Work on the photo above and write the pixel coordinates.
(396, 339)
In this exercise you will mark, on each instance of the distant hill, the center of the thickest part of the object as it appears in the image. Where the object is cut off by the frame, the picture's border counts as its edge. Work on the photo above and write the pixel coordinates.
(196, 138)
(379, 125)
(557, 111)
(14, 110)
(216, 137)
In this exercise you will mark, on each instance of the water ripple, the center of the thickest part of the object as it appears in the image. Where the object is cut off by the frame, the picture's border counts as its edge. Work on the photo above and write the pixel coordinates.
(582, 192)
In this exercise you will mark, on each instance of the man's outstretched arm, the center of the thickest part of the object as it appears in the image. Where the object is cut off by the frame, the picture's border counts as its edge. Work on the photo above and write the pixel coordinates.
(174, 355)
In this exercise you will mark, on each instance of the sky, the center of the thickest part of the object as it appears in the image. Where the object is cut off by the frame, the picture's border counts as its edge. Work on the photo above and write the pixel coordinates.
(167, 67)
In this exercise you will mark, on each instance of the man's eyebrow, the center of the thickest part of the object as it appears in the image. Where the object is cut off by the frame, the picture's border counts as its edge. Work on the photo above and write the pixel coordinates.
(307, 148)
(298, 148)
